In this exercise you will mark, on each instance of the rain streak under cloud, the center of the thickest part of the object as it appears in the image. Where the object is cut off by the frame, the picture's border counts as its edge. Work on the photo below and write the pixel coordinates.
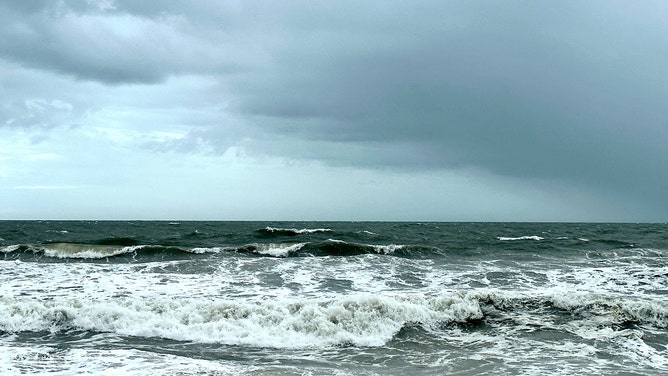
(424, 110)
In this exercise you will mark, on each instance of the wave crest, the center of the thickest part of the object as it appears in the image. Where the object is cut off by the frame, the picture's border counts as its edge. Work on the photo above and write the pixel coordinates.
(611, 310)
(360, 320)
(273, 231)
(329, 247)
(86, 251)
(526, 237)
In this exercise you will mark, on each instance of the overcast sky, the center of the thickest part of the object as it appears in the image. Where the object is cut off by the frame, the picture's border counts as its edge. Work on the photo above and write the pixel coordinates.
(334, 110)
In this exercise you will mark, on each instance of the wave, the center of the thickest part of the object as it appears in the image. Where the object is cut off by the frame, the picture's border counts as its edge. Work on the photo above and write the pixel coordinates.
(275, 250)
(528, 237)
(333, 247)
(329, 247)
(279, 323)
(615, 311)
(86, 251)
(359, 320)
(273, 231)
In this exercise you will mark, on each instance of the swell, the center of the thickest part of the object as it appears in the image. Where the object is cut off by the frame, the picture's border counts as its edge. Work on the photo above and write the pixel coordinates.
(29, 252)
(329, 247)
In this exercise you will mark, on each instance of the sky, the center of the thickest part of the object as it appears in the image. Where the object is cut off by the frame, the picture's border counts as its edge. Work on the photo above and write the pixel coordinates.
(334, 110)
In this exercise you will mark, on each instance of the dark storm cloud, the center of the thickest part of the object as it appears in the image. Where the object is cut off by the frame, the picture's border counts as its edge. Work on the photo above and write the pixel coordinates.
(526, 89)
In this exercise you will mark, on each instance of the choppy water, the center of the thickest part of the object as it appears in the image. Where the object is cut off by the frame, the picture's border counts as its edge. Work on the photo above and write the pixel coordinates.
(339, 298)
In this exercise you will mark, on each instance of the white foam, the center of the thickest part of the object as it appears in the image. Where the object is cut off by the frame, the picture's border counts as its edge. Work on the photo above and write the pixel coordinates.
(607, 309)
(10, 248)
(611, 280)
(277, 250)
(319, 302)
(201, 250)
(388, 249)
(364, 320)
(79, 251)
(86, 251)
(528, 237)
(17, 360)
(58, 231)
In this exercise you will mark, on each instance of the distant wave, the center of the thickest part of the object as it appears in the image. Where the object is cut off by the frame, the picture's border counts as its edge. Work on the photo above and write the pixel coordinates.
(529, 237)
(273, 231)
(330, 247)
(85, 251)
(360, 320)
(275, 250)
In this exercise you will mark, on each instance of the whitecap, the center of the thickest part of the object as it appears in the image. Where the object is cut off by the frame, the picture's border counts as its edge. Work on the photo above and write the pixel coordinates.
(528, 237)
(10, 248)
(277, 250)
(296, 231)
(388, 249)
(86, 251)
(281, 322)
(201, 250)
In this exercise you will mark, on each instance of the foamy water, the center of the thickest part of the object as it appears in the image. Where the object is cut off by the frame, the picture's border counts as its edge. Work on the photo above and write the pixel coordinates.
(361, 298)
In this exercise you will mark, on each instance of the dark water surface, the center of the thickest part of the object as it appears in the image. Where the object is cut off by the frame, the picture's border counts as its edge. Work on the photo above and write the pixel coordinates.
(321, 298)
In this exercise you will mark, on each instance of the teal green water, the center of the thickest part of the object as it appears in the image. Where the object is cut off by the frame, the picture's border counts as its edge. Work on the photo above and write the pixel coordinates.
(333, 298)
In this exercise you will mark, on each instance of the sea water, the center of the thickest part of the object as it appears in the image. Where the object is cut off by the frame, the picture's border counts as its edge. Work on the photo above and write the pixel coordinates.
(332, 298)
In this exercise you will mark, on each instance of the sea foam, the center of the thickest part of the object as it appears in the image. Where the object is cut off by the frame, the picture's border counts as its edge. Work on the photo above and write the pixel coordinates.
(291, 322)
(362, 320)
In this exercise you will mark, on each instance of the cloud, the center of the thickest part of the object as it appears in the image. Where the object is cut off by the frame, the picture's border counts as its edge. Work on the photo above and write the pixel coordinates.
(93, 41)
(529, 90)
(564, 96)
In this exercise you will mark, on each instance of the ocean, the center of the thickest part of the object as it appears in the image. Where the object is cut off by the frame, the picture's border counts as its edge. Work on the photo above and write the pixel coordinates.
(332, 298)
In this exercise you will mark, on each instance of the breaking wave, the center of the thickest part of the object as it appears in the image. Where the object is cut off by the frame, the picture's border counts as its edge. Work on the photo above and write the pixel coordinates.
(616, 311)
(359, 320)
(330, 247)
(72, 250)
